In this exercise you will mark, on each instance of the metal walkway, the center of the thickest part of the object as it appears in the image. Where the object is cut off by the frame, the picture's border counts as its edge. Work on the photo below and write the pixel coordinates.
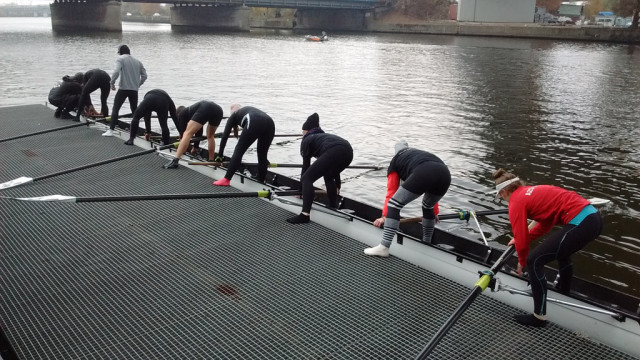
(214, 279)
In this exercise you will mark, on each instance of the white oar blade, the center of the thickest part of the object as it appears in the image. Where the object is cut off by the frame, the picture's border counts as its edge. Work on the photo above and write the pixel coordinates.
(62, 198)
(15, 182)
(599, 201)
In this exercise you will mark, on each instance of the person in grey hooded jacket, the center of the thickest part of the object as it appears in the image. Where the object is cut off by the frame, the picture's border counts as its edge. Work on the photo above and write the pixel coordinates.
(132, 75)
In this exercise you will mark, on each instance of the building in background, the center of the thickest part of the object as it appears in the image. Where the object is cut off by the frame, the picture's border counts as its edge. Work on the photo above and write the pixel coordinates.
(496, 11)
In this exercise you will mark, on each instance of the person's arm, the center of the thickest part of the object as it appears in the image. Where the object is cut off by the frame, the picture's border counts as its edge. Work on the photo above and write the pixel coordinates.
(116, 73)
(393, 183)
(231, 122)
(143, 74)
(173, 114)
(520, 228)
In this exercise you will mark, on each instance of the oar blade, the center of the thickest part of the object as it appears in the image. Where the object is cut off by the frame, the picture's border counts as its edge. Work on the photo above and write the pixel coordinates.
(599, 201)
(58, 198)
(15, 182)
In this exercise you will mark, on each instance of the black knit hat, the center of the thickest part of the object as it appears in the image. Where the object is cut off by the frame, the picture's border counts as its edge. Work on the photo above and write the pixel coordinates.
(78, 77)
(124, 49)
(313, 121)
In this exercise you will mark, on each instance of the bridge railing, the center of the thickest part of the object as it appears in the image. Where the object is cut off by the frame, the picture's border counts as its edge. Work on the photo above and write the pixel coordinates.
(295, 4)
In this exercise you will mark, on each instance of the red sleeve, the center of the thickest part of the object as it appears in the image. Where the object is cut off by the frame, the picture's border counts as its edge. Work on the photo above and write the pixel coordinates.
(436, 209)
(393, 183)
(519, 225)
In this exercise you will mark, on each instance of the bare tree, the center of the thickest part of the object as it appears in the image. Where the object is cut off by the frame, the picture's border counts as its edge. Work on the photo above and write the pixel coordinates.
(550, 5)
(628, 8)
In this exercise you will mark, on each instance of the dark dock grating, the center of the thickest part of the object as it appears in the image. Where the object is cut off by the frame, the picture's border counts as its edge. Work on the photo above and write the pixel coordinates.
(214, 279)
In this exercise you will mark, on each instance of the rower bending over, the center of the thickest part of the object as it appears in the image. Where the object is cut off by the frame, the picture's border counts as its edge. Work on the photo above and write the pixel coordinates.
(159, 101)
(256, 125)
(66, 96)
(91, 81)
(549, 206)
(333, 155)
(198, 114)
(422, 173)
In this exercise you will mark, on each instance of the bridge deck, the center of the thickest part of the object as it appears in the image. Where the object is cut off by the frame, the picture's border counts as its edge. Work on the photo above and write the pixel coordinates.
(293, 4)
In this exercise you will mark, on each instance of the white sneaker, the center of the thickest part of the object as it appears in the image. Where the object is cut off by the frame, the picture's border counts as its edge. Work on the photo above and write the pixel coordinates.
(108, 133)
(379, 250)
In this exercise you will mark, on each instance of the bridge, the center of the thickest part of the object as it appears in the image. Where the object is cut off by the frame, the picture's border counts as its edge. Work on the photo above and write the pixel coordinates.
(223, 15)
(285, 4)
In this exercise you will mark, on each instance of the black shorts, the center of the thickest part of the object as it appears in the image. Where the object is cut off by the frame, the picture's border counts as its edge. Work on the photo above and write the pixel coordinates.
(208, 112)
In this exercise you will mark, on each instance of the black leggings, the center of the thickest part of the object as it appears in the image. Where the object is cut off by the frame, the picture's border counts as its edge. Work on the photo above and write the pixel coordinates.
(151, 103)
(95, 83)
(121, 96)
(263, 131)
(329, 165)
(559, 246)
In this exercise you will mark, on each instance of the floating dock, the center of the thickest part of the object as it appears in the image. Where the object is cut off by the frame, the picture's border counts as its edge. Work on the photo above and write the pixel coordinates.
(211, 278)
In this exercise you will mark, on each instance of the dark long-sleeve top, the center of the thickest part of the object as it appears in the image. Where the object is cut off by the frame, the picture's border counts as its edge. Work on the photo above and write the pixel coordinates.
(67, 88)
(242, 117)
(103, 75)
(315, 143)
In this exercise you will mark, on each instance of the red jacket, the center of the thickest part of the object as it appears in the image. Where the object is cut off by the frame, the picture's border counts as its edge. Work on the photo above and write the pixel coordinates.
(393, 183)
(546, 204)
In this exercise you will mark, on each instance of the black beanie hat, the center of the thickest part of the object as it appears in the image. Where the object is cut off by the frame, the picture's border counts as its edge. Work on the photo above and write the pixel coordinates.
(78, 77)
(124, 49)
(313, 121)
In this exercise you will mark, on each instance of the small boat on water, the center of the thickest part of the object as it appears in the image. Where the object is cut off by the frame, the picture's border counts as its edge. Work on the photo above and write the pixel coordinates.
(320, 38)
(591, 310)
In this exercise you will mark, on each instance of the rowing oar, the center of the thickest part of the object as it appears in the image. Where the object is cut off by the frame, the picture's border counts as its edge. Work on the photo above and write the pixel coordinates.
(43, 132)
(482, 284)
(26, 180)
(276, 165)
(466, 214)
(461, 214)
(64, 198)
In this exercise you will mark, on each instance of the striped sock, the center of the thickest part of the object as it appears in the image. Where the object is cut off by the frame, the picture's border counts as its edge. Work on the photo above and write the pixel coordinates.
(428, 226)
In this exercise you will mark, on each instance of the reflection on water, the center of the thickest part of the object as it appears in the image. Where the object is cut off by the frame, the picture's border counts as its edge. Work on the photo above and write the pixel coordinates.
(557, 113)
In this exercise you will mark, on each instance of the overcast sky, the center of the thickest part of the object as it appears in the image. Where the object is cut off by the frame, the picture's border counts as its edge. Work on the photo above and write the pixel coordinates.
(25, 2)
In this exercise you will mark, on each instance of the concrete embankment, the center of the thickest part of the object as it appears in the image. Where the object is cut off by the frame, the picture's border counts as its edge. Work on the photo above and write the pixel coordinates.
(568, 32)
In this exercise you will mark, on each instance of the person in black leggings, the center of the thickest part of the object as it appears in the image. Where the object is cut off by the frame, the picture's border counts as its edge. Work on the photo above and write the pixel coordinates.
(159, 101)
(548, 206)
(256, 125)
(333, 155)
(93, 80)
(422, 173)
(200, 113)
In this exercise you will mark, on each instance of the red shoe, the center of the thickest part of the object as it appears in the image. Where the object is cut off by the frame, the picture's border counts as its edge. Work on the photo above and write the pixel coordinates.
(222, 182)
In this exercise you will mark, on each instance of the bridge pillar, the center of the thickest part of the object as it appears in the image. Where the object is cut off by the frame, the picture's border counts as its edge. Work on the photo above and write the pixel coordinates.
(329, 19)
(225, 18)
(75, 15)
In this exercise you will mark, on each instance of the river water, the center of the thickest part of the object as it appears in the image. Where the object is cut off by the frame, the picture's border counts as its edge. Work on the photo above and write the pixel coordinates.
(552, 112)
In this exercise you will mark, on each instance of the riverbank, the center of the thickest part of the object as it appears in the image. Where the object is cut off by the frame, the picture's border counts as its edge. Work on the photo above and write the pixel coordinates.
(395, 22)
(513, 30)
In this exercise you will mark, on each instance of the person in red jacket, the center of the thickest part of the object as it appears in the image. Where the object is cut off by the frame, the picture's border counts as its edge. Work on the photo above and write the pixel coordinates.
(549, 206)
(422, 173)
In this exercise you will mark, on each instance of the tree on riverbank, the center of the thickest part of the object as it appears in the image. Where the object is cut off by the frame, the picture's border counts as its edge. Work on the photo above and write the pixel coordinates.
(550, 5)
(424, 9)
(628, 8)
